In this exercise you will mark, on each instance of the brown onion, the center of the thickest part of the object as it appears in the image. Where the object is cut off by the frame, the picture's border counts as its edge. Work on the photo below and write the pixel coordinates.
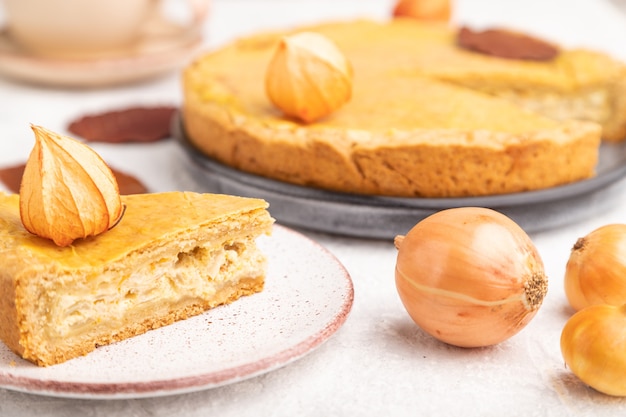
(593, 344)
(596, 269)
(469, 276)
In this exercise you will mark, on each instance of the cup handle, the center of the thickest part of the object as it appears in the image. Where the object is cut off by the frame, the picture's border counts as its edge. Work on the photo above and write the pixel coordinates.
(158, 25)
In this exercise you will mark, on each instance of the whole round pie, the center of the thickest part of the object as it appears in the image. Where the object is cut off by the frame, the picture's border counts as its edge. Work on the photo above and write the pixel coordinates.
(427, 117)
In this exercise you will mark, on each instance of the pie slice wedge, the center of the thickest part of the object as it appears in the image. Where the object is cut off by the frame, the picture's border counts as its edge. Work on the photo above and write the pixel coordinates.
(173, 255)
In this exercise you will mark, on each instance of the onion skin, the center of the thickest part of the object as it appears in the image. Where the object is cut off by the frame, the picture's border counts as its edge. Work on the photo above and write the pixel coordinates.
(596, 269)
(469, 276)
(593, 344)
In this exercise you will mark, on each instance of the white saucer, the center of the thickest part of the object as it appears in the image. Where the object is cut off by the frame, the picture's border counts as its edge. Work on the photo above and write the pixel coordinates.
(149, 58)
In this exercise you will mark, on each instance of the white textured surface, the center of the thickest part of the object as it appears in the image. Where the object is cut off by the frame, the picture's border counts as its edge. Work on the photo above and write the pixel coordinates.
(379, 363)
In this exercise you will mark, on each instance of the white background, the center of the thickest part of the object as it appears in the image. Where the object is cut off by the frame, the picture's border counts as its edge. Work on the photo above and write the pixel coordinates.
(379, 363)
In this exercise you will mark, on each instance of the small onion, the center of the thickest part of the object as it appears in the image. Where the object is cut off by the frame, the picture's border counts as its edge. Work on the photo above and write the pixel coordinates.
(469, 276)
(593, 344)
(596, 269)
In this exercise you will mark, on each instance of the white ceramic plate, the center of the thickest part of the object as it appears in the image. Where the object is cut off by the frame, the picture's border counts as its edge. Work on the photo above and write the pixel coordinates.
(152, 58)
(307, 297)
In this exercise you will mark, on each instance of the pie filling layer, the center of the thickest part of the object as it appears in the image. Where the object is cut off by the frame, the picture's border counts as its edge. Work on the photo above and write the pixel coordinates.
(109, 299)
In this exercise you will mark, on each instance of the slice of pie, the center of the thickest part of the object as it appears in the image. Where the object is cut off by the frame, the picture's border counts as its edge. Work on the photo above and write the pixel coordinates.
(173, 255)
(427, 118)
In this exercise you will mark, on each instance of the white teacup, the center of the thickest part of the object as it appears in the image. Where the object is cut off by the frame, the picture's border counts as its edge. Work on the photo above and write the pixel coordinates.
(91, 28)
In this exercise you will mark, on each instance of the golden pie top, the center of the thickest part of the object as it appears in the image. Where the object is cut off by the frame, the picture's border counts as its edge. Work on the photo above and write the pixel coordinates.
(148, 218)
(426, 118)
(414, 87)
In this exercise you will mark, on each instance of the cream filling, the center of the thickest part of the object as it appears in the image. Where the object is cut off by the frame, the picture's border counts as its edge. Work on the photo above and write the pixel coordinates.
(111, 298)
(593, 105)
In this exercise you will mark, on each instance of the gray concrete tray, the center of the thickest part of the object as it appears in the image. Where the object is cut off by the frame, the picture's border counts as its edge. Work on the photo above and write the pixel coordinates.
(386, 217)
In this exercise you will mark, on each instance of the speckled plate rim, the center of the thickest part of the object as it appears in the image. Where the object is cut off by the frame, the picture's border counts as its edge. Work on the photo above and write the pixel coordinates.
(337, 293)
